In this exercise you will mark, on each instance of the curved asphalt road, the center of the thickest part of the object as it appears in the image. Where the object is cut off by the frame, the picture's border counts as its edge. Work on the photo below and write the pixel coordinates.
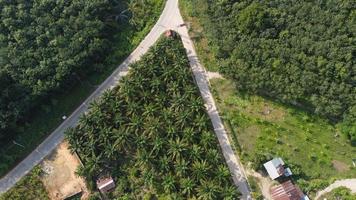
(169, 19)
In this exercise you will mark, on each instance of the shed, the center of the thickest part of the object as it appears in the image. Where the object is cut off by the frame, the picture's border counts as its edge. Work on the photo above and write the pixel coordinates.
(275, 168)
(170, 33)
(105, 184)
(287, 191)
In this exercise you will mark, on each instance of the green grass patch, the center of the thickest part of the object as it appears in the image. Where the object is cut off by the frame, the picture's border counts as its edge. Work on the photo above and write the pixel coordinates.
(314, 148)
(44, 119)
(28, 188)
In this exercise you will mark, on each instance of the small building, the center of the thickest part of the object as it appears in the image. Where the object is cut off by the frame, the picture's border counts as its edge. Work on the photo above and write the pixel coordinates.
(287, 191)
(170, 33)
(275, 168)
(105, 184)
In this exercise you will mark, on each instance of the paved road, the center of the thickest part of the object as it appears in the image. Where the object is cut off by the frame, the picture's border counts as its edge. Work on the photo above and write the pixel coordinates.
(169, 19)
(349, 183)
(201, 78)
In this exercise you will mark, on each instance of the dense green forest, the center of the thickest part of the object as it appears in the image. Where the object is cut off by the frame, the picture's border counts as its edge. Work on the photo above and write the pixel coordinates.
(48, 46)
(152, 134)
(300, 53)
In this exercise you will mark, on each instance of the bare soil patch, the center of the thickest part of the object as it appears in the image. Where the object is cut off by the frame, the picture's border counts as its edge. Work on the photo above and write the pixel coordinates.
(212, 75)
(59, 177)
(340, 166)
(263, 182)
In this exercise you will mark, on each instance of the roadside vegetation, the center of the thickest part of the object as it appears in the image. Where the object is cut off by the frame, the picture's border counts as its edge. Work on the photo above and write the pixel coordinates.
(28, 188)
(341, 193)
(262, 126)
(255, 189)
(152, 134)
(45, 74)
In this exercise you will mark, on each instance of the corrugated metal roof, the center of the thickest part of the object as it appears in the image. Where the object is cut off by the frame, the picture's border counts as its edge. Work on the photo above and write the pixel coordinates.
(274, 168)
(286, 191)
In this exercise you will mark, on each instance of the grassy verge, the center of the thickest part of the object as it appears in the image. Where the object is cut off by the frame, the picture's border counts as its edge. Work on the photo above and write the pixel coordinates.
(261, 128)
(196, 32)
(28, 188)
(47, 117)
(341, 193)
(255, 189)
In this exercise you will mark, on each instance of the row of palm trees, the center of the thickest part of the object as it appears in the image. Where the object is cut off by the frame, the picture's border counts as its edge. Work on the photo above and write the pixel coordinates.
(152, 134)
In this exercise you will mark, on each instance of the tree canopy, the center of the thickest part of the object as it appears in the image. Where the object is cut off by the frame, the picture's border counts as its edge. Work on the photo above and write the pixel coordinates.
(300, 53)
(44, 45)
(48, 46)
(152, 133)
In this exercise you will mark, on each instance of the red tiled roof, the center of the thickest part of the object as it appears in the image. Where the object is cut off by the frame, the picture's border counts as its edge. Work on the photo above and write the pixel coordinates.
(286, 191)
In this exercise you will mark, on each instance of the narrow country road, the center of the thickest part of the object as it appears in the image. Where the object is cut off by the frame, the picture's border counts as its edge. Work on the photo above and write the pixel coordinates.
(348, 183)
(201, 78)
(169, 19)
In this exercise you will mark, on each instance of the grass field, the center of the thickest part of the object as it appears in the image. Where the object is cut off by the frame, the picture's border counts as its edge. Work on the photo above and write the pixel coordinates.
(47, 117)
(314, 148)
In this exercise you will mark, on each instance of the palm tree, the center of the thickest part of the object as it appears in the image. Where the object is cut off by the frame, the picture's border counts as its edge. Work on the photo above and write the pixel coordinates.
(169, 184)
(182, 119)
(230, 192)
(189, 134)
(213, 156)
(135, 125)
(171, 131)
(195, 152)
(141, 142)
(143, 159)
(164, 164)
(149, 178)
(181, 167)
(93, 164)
(207, 139)
(176, 148)
(222, 173)
(110, 151)
(122, 140)
(157, 146)
(207, 190)
(196, 105)
(72, 138)
(200, 121)
(187, 185)
(152, 126)
(200, 169)
(118, 119)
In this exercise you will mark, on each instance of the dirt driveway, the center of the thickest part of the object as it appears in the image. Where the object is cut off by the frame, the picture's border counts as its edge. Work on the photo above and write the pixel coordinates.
(59, 178)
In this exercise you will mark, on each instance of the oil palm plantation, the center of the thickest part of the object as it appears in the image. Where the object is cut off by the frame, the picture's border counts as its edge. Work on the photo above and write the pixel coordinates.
(153, 134)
